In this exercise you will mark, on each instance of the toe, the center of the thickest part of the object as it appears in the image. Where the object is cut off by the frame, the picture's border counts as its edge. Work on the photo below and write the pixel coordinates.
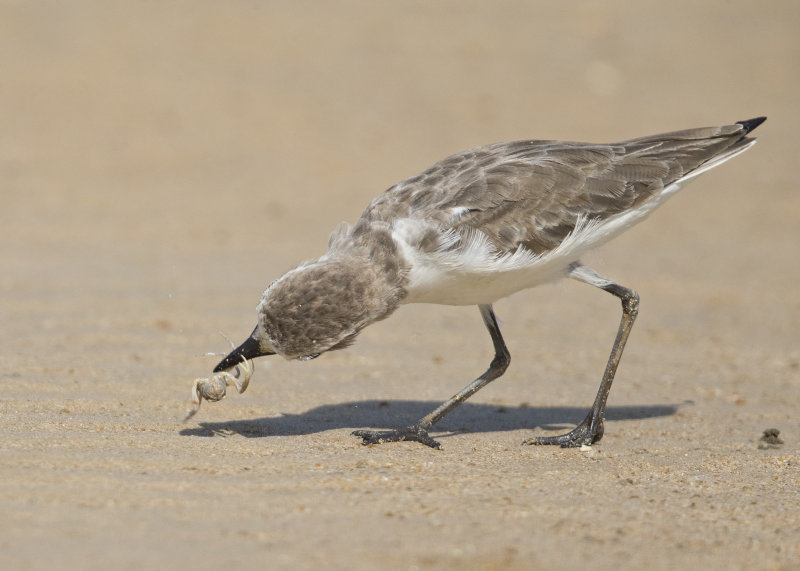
(411, 434)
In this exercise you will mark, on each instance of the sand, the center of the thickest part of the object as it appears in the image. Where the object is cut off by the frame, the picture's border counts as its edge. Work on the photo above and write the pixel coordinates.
(161, 163)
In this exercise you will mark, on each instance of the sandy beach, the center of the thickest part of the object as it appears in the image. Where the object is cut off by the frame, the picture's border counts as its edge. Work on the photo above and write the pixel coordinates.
(161, 164)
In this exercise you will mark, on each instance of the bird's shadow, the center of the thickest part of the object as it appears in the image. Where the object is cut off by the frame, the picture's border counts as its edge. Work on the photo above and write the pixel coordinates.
(469, 417)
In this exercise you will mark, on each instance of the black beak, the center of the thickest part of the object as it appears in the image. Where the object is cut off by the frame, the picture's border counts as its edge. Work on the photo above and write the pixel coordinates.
(250, 349)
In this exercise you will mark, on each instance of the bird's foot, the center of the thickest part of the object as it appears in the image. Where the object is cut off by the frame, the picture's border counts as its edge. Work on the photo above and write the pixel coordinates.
(586, 433)
(410, 433)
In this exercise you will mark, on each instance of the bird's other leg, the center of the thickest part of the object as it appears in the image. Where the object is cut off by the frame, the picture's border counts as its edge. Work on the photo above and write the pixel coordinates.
(590, 430)
(419, 430)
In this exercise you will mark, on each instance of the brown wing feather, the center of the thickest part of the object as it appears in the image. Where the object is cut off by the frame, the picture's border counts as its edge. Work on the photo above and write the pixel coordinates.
(532, 193)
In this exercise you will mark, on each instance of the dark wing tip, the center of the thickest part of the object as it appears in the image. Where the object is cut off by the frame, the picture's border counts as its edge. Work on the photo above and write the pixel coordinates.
(751, 124)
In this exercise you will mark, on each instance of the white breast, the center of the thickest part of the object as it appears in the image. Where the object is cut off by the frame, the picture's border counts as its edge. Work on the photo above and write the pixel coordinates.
(467, 269)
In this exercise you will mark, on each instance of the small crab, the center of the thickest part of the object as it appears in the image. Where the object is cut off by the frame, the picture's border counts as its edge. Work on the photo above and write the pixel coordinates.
(213, 388)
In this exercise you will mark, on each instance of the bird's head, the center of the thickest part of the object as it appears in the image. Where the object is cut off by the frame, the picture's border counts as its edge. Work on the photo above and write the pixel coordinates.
(317, 307)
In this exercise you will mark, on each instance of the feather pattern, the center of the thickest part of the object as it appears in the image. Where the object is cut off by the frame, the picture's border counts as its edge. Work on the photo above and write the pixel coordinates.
(505, 210)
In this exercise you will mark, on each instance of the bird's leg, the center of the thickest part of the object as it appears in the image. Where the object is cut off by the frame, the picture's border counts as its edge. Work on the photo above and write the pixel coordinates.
(590, 430)
(419, 430)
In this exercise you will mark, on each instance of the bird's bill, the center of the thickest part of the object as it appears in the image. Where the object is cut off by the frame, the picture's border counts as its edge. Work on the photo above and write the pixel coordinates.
(250, 349)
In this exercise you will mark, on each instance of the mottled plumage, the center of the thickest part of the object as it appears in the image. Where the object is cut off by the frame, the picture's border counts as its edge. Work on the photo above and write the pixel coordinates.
(532, 193)
(478, 226)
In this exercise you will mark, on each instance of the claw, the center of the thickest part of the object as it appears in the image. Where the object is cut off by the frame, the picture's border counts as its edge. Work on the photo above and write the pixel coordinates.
(213, 388)
(586, 433)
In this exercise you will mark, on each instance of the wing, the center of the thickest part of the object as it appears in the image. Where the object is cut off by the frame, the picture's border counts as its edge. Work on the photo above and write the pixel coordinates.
(533, 193)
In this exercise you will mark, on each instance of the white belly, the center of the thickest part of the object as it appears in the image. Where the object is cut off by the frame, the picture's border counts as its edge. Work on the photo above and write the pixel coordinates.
(468, 270)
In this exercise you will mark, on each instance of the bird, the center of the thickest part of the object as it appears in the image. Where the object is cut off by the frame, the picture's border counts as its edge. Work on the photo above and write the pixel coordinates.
(476, 227)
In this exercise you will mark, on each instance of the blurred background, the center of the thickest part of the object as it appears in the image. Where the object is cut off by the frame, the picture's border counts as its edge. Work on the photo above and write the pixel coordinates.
(171, 160)
(160, 163)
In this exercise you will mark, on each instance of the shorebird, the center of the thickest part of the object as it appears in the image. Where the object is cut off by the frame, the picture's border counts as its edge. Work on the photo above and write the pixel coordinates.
(474, 228)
